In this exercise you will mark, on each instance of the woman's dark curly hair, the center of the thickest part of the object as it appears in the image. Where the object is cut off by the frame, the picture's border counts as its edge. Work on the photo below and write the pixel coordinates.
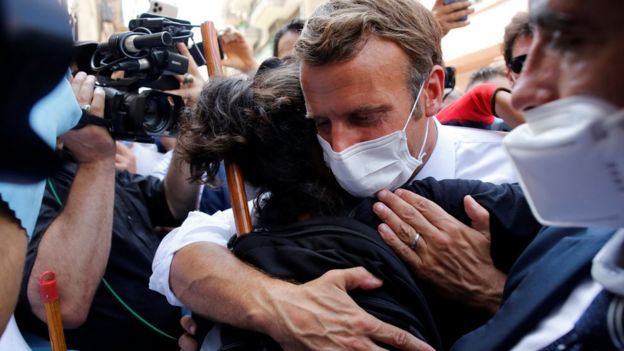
(260, 125)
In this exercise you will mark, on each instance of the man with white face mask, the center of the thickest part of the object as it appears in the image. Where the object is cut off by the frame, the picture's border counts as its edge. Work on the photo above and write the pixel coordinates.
(566, 290)
(372, 84)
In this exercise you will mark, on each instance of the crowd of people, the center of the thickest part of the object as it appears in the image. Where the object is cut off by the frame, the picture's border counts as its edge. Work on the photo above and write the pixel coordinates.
(389, 211)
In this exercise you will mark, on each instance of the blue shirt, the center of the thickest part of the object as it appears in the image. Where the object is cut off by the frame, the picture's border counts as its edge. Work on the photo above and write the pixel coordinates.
(50, 117)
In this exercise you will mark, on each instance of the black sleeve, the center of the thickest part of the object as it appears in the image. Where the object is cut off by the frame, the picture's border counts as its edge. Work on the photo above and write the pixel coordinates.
(512, 225)
(152, 193)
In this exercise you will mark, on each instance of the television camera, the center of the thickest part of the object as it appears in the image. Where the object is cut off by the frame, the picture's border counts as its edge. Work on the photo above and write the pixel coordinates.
(136, 106)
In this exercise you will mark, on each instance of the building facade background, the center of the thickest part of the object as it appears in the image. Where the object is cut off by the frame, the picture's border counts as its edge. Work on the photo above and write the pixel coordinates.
(467, 49)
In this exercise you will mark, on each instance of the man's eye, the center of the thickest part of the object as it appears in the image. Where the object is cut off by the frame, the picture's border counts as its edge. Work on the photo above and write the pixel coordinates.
(321, 123)
(561, 41)
(364, 120)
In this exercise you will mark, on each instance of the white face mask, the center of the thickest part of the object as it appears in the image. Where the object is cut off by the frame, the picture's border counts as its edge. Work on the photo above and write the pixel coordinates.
(570, 159)
(365, 168)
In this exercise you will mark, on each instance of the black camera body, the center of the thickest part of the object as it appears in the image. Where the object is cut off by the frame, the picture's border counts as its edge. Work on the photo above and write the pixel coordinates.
(136, 108)
(142, 116)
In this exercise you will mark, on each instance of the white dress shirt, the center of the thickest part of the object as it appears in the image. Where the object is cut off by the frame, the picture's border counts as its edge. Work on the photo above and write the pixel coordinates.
(469, 153)
(460, 152)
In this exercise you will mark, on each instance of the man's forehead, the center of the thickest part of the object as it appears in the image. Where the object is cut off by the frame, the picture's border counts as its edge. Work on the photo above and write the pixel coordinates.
(590, 16)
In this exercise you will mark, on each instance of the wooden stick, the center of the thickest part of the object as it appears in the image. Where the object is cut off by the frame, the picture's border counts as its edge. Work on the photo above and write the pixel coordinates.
(236, 184)
(50, 298)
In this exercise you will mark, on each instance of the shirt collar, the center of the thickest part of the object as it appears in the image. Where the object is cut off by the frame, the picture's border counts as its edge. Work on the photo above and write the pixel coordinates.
(441, 163)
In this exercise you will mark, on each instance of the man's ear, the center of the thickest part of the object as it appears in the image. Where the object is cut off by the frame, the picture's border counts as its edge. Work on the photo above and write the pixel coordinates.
(434, 91)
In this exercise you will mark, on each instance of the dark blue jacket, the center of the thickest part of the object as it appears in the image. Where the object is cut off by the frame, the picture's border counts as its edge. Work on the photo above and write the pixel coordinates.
(555, 262)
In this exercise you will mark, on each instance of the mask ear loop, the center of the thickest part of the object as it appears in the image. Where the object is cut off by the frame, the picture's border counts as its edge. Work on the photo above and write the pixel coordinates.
(413, 106)
(422, 152)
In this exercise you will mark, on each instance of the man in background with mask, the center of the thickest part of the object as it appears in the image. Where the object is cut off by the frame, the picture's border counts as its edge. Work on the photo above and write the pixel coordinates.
(372, 93)
(565, 291)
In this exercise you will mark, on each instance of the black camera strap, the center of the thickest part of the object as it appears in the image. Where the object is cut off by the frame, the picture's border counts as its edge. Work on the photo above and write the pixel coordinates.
(87, 119)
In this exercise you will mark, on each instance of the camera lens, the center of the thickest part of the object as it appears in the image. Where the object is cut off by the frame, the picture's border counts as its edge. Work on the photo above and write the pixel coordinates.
(157, 116)
(154, 121)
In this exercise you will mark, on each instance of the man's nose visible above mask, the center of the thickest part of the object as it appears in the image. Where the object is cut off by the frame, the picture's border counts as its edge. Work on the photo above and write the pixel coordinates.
(532, 91)
(537, 84)
(342, 136)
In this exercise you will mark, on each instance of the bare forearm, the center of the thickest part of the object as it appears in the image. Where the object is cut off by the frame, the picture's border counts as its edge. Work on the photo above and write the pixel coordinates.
(211, 281)
(77, 244)
(505, 110)
(182, 196)
(317, 315)
(12, 255)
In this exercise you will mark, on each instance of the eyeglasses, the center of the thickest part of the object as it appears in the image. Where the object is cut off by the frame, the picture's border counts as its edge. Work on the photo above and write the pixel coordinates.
(516, 63)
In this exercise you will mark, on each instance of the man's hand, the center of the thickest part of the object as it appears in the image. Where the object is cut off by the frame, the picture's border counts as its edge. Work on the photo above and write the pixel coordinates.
(124, 158)
(192, 82)
(238, 53)
(89, 144)
(449, 16)
(320, 315)
(187, 341)
(452, 256)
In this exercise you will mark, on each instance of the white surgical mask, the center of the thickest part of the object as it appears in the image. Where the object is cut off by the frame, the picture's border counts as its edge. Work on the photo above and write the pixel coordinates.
(570, 159)
(365, 168)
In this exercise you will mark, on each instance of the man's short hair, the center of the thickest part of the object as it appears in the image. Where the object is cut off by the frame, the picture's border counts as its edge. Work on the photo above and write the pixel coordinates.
(519, 26)
(484, 74)
(295, 26)
(338, 30)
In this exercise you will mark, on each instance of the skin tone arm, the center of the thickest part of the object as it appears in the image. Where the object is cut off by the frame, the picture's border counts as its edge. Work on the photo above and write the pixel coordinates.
(77, 243)
(312, 316)
(505, 110)
(182, 196)
(455, 257)
(12, 255)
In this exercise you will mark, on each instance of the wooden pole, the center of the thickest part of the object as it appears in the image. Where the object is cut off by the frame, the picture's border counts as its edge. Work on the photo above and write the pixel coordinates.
(50, 298)
(236, 184)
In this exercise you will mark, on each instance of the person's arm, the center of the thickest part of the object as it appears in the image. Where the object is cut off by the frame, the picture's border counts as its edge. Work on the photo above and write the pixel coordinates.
(76, 245)
(480, 104)
(501, 105)
(192, 261)
(12, 255)
(182, 195)
(313, 316)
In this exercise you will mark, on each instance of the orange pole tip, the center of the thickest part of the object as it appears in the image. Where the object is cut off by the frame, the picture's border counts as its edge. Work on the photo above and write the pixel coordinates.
(47, 284)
